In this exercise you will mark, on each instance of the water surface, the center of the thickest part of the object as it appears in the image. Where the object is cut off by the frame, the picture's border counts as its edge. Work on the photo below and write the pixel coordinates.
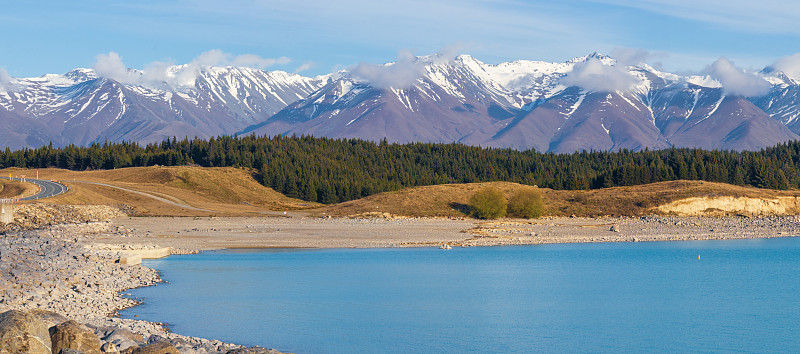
(740, 295)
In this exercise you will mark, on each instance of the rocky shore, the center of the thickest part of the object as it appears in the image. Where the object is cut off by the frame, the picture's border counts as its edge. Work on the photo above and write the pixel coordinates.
(627, 229)
(59, 291)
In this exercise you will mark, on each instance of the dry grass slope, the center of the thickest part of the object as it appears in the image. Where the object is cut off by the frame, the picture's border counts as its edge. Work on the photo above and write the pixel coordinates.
(451, 200)
(235, 192)
(16, 189)
(225, 191)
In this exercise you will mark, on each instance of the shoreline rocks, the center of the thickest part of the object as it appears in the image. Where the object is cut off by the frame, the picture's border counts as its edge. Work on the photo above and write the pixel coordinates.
(56, 284)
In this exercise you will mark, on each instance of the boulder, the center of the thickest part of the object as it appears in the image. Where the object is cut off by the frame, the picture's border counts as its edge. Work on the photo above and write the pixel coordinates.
(123, 338)
(73, 335)
(154, 348)
(23, 332)
(109, 348)
(49, 317)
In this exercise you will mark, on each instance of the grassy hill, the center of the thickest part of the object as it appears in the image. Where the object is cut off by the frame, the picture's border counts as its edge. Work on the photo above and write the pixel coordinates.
(229, 191)
(451, 200)
(221, 191)
(16, 189)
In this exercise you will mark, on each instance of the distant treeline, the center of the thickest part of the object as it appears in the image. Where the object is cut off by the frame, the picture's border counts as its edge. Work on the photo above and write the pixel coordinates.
(335, 170)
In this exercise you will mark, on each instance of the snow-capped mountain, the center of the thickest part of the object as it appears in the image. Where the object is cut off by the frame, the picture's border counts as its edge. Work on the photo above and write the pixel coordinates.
(590, 102)
(81, 108)
(530, 104)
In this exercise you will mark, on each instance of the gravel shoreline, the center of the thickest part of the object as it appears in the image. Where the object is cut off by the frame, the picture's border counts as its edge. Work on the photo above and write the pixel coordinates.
(60, 269)
(300, 232)
(73, 270)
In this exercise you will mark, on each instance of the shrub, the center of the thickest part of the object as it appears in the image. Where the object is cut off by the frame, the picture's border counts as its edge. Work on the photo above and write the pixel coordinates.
(526, 203)
(488, 203)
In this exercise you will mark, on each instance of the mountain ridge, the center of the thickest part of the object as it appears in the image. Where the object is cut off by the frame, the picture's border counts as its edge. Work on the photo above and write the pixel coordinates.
(587, 103)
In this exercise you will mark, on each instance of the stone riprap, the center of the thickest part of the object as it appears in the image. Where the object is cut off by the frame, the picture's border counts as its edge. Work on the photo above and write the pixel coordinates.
(58, 273)
(37, 215)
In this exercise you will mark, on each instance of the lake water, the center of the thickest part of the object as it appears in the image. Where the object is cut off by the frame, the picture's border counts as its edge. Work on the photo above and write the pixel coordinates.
(739, 296)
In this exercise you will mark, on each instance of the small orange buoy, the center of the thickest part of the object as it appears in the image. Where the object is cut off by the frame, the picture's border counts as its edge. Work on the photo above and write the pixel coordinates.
(698, 256)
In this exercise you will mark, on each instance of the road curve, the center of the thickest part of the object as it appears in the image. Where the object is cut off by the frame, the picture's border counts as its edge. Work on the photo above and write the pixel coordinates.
(47, 188)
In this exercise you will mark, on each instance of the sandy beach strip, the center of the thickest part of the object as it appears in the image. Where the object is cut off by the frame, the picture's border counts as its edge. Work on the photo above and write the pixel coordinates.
(306, 232)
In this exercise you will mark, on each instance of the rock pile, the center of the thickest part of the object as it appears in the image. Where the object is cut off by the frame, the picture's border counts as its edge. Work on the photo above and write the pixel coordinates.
(33, 216)
(58, 295)
(39, 269)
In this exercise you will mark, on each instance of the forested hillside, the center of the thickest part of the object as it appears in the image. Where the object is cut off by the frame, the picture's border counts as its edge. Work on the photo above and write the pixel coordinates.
(336, 170)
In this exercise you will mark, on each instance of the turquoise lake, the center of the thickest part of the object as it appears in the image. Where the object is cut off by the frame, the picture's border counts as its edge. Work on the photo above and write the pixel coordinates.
(739, 296)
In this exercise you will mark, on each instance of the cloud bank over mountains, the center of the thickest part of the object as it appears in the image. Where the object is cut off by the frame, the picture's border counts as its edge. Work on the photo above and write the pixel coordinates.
(402, 73)
(595, 75)
(158, 74)
(736, 81)
(592, 75)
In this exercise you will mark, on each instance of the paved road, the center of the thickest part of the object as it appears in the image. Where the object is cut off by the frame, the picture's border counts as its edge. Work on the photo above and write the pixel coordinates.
(47, 189)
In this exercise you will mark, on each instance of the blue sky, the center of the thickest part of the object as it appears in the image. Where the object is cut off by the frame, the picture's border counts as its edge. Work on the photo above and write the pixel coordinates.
(318, 37)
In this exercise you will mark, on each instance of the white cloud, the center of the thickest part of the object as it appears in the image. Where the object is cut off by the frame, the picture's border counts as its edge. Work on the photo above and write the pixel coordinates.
(5, 81)
(593, 75)
(404, 72)
(110, 66)
(187, 75)
(158, 73)
(448, 53)
(736, 81)
(789, 65)
(303, 67)
(400, 74)
(216, 57)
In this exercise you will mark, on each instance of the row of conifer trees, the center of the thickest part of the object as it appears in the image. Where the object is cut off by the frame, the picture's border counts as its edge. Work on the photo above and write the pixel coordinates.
(335, 170)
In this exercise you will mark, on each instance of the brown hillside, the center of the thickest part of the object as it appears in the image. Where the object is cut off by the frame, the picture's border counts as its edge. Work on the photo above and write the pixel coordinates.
(233, 191)
(450, 200)
(16, 189)
(221, 191)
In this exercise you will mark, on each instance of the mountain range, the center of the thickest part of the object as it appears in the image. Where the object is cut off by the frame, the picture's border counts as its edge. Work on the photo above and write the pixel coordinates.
(588, 103)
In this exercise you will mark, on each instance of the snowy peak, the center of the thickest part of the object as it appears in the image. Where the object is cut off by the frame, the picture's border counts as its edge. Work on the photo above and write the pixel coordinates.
(80, 107)
(588, 102)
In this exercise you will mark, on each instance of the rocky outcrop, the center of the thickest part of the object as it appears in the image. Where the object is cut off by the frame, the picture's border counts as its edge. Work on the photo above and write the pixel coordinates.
(23, 332)
(74, 335)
